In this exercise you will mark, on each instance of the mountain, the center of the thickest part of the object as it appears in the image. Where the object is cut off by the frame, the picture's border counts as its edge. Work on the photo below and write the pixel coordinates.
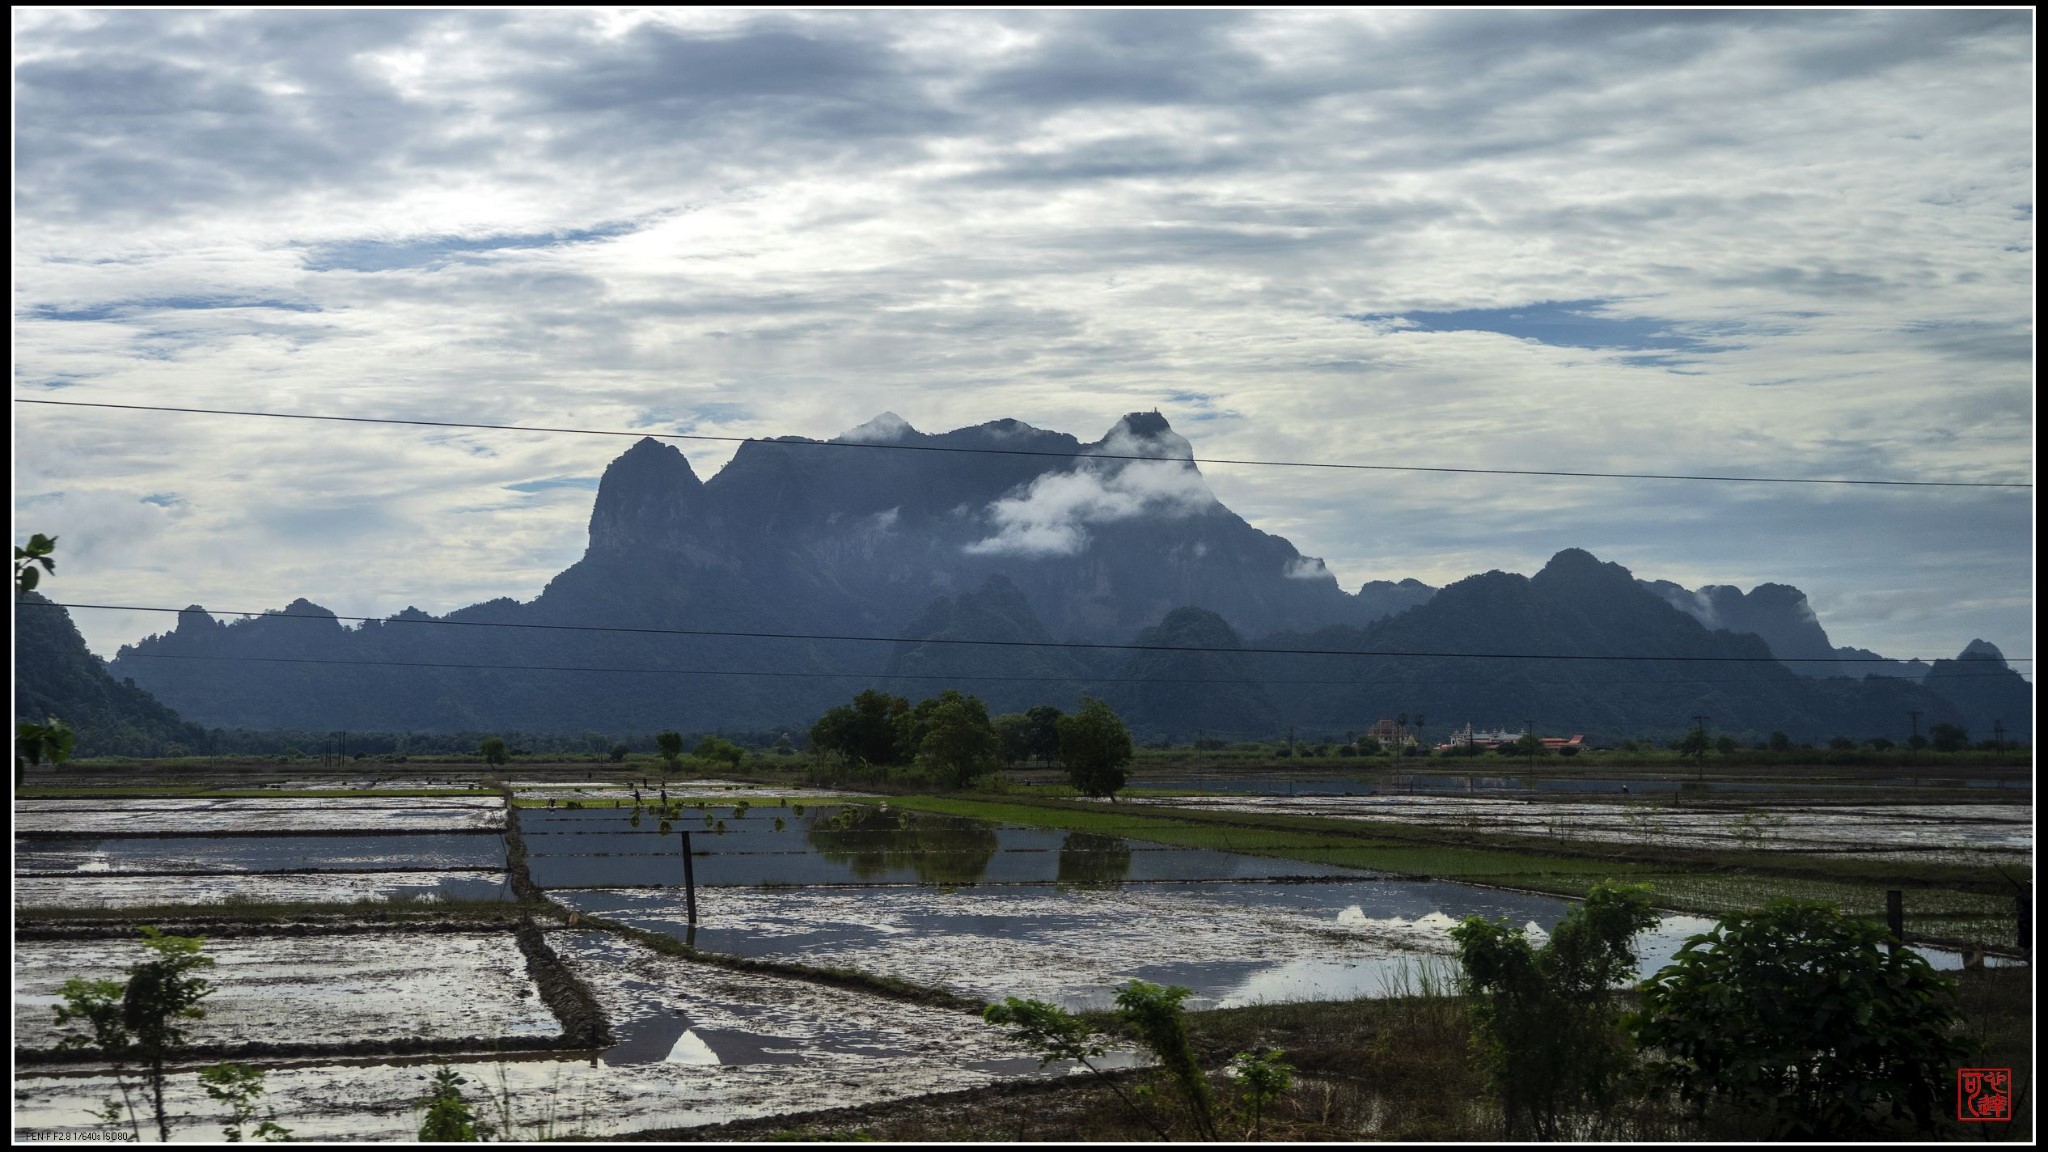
(56, 675)
(1578, 611)
(805, 570)
(1781, 615)
(1987, 691)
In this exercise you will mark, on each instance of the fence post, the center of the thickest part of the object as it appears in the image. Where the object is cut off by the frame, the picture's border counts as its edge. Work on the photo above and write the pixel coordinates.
(1895, 916)
(689, 878)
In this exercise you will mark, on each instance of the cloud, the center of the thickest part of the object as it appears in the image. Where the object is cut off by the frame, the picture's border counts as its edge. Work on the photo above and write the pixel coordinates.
(1307, 568)
(1051, 517)
(1780, 243)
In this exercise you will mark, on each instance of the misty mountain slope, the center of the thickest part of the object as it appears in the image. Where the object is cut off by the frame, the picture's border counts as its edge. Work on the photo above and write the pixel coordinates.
(1190, 694)
(1782, 616)
(1575, 606)
(1009, 679)
(55, 674)
(1986, 690)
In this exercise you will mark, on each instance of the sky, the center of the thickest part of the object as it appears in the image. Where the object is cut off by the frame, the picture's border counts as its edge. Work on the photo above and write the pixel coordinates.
(1753, 243)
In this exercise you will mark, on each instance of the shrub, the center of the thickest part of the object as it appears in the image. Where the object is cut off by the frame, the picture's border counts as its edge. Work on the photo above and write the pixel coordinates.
(1155, 1014)
(1547, 1017)
(1797, 1016)
(618, 753)
(448, 1117)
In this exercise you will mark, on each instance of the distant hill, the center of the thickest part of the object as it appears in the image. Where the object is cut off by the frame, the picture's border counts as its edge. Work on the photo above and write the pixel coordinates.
(1987, 691)
(843, 568)
(56, 675)
(1782, 617)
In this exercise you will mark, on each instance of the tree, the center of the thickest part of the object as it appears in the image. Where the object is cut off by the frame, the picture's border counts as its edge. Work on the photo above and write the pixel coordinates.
(1057, 1035)
(493, 750)
(36, 743)
(1013, 734)
(1154, 1013)
(719, 750)
(1948, 737)
(957, 739)
(27, 560)
(1780, 742)
(1043, 742)
(618, 753)
(1695, 744)
(1096, 748)
(670, 745)
(865, 731)
(1799, 1016)
(1725, 744)
(140, 1020)
(1547, 1016)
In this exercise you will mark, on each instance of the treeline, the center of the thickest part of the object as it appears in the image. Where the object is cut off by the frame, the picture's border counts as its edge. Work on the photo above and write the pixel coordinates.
(951, 739)
(299, 744)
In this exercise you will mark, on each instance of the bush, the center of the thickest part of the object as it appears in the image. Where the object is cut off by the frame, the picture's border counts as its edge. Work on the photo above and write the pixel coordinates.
(1797, 1017)
(1553, 1034)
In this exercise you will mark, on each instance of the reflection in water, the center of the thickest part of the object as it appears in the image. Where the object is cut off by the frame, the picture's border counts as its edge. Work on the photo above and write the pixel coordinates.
(1092, 860)
(874, 841)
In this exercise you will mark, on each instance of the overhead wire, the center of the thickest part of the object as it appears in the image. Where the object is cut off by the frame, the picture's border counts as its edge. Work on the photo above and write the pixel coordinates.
(992, 451)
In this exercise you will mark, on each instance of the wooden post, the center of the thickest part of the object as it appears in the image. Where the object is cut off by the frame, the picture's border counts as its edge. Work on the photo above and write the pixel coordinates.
(1895, 916)
(689, 878)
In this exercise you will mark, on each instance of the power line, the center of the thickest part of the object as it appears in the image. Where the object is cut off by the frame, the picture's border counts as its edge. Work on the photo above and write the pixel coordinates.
(1079, 644)
(1080, 678)
(1332, 465)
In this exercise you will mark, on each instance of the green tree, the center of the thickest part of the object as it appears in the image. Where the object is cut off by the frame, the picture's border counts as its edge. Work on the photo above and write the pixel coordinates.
(865, 731)
(1043, 742)
(493, 750)
(670, 745)
(34, 744)
(719, 750)
(617, 755)
(1695, 744)
(1800, 1017)
(1948, 737)
(239, 1086)
(27, 560)
(1056, 1034)
(1096, 748)
(1013, 735)
(142, 1020)
(1780, 742)
(1725, 744)
(1547, 1016)
(1154, 1013)
(956, 738)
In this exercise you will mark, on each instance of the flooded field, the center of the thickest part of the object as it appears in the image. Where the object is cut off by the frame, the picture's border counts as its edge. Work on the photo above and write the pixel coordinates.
(258, 817)
(1960, 832)
(86, 890)
(331, 988)
(651, 787)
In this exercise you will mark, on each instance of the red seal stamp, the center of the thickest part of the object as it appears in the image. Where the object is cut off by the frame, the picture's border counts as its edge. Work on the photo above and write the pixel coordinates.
(1983, 1094)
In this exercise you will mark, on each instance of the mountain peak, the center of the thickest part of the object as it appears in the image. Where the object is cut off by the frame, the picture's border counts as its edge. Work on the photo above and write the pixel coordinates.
(1146, 434)
(1577, 566)
(1982, 650)
(644, 497)
(886, 428)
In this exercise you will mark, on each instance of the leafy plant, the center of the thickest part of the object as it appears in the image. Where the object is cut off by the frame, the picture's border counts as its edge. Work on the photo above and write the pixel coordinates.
(493, 750)
(1057, 1034)
(140, 1020)
(1798, 1016)
(1260, 1081)
(238, 1086)
(27, 560)
(35, 743)
(1154, 1012)
(1547, 1016)
(448, 1117)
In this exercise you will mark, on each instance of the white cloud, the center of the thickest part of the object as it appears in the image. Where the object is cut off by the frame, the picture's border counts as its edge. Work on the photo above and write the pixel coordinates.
(1307, 568)
(1052, 516)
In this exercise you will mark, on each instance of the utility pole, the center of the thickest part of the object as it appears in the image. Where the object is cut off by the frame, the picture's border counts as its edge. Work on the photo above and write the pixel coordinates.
(1700, 722)
(1529, 733)
(1916, 723)
(1998, 734)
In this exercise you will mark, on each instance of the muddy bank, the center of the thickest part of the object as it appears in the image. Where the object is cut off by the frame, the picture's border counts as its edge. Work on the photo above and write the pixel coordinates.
(86, 890)
(569, 998)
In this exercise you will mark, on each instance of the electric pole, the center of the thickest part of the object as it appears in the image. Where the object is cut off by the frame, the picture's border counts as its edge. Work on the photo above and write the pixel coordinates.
(1700, 722)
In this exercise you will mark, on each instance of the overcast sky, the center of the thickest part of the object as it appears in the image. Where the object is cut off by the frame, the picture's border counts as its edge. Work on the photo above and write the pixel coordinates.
(1745, 242)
